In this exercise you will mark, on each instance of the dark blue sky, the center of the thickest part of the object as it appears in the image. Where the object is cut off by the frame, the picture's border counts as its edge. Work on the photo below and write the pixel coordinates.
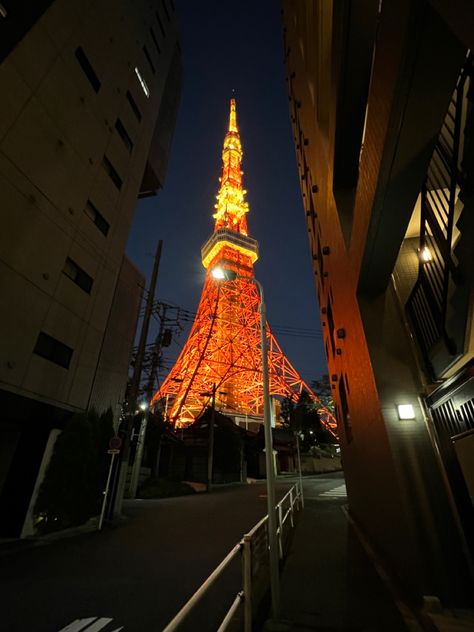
(234, 46)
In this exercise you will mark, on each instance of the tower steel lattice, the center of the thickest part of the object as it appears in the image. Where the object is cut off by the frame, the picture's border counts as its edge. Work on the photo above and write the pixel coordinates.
(222, 351)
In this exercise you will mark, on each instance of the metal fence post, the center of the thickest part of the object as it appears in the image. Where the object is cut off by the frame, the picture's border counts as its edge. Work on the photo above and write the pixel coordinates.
(280, 530)
(247, 582)
(291, 507)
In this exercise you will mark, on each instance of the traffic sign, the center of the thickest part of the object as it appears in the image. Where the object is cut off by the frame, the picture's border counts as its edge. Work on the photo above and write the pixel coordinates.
(115, 443)
(113, 451)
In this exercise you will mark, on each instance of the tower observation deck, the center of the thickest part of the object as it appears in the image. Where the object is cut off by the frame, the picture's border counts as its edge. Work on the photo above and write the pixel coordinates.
(222, 352)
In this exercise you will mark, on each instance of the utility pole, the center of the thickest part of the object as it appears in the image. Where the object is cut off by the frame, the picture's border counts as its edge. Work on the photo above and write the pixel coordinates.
(121, 474)
(210, 452)
(157, 353)
(137, 463)
(137, 372)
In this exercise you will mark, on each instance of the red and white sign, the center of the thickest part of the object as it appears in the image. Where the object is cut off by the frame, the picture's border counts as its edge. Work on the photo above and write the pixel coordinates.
(115, 443)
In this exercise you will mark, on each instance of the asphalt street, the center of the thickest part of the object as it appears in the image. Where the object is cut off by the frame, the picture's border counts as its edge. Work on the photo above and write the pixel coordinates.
(135, 576)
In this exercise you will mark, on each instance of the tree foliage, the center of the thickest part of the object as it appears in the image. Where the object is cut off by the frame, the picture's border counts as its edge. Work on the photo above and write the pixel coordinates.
(305, 420)
(322, 388)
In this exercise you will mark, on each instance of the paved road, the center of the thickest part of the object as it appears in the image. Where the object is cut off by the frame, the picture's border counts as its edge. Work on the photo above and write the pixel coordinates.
(135, 576)
(341, 590)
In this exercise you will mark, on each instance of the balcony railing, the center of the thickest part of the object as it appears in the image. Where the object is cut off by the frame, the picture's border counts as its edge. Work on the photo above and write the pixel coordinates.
(429, 302)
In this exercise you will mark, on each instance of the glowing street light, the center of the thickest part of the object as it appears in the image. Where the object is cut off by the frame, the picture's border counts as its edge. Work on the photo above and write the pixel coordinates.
(137, 463)
(224, 274)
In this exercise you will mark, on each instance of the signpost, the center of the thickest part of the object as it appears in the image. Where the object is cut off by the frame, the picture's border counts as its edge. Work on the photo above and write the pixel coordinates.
(115, 444)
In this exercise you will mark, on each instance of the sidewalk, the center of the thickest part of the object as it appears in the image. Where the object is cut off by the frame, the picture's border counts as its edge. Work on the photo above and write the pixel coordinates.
(330, 584)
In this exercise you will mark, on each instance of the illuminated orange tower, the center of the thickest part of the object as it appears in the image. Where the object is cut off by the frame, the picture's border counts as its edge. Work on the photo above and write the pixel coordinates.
(223, 352)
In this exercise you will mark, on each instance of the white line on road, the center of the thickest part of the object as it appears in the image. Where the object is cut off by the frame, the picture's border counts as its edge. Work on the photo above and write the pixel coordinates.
(336, 492)
(92, 624)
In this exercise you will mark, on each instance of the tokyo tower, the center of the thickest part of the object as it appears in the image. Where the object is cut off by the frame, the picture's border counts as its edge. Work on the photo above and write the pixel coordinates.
(223, 353)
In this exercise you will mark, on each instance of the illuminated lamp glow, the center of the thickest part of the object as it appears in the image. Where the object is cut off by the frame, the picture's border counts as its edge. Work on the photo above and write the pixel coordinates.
(425, 254)
(218, 273)
(406, 411)
(142, 83)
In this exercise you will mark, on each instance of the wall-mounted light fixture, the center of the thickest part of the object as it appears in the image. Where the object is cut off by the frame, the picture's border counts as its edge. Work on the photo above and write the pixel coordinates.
(425, 254)
(405, 411)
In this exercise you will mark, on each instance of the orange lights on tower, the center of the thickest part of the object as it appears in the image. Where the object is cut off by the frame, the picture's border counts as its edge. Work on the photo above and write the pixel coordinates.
(222, 352)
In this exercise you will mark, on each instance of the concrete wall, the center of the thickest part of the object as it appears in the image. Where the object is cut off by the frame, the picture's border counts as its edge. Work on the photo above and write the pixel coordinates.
(395, 483)
(54, 132)
(82, 87)
(110, 380)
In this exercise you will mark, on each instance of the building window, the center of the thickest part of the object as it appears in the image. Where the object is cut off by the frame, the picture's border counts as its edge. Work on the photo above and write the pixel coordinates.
(331, 328)
(110, 169)
(127, 141)
(142, 83)
(78, 275)
(155, 41)
(163, 2)
(87, 68)
(149, 60)
(160, 24)
(98, 219)
(53, 350)
(321, 261)
(134, 106)
(344, 410)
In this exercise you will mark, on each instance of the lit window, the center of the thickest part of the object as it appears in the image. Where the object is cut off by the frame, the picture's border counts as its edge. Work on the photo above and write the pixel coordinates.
(142, 83)
(406, 411)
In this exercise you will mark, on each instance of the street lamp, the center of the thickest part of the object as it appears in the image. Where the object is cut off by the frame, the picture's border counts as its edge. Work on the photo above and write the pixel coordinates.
(137, 463)
(224, 274)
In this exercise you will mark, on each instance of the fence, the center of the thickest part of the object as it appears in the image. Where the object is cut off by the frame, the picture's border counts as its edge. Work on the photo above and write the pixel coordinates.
(253, 549)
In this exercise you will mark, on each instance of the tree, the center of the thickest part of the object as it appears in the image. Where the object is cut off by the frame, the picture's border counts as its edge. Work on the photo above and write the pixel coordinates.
(304, 419)
(287, 407)
(322, 388)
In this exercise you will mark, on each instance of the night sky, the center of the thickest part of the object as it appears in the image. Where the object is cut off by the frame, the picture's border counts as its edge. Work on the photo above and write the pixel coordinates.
(234, 46)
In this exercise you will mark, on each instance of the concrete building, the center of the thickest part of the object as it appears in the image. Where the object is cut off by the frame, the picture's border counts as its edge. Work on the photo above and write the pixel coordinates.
(89, 100)
(381, 102)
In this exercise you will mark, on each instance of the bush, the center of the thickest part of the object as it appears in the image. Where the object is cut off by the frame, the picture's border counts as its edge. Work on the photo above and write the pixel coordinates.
(72, 490)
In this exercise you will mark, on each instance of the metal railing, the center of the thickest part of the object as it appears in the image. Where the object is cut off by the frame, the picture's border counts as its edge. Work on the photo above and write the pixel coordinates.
(253, 549)
(429, 302)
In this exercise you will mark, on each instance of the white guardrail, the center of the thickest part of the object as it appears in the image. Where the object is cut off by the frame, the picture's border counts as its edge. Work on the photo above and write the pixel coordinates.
(253, 548)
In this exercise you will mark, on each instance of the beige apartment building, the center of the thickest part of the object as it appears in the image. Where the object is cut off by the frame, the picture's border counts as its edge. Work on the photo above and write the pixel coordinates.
(89, 99)
(381, 102)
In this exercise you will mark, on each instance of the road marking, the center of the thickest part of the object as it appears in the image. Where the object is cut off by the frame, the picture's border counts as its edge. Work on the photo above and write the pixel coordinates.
(77, 625)
(92, 624)
(336, 492)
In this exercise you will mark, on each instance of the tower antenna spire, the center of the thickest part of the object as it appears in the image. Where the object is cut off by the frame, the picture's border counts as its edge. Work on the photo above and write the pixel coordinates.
(233, 117)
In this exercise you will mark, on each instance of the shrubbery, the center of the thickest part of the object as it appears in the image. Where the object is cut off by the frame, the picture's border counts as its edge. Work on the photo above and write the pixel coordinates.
(72, 489)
